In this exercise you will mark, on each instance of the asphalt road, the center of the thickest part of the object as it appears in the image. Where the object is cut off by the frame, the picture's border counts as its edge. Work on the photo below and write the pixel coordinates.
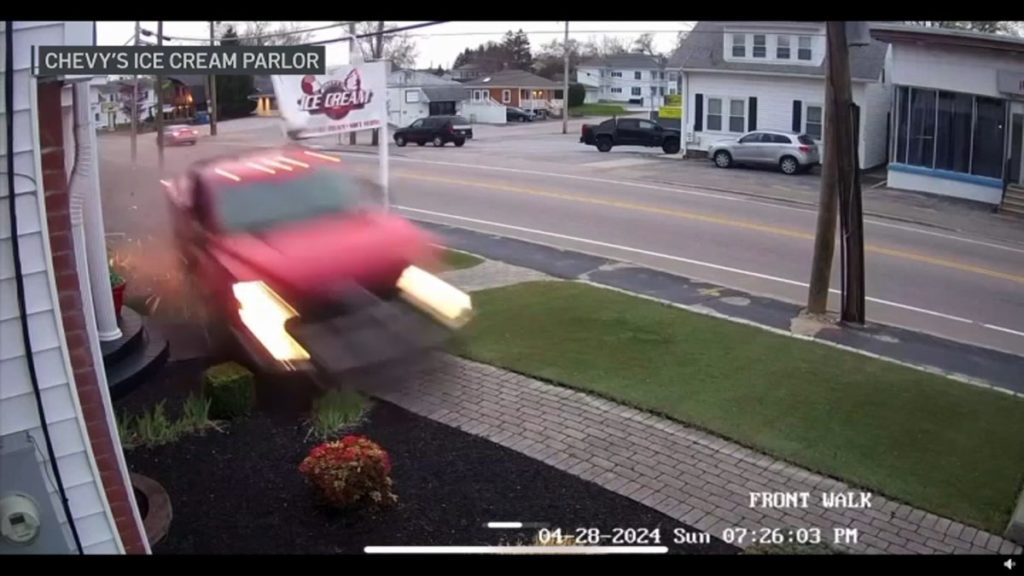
(532, 182)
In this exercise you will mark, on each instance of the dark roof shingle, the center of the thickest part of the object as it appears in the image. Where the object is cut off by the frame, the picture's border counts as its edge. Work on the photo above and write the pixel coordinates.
(513, 79)
(704, 48)
(639, 61)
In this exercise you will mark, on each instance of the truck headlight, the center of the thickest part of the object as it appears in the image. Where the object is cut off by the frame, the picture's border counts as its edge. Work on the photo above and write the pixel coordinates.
(449, 305)
(264, 313)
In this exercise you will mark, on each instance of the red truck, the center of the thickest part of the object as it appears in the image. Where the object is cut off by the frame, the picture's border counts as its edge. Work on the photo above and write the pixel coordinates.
(299, 264)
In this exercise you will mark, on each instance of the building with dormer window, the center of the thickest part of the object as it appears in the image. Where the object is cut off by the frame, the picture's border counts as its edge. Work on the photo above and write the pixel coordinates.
(741, 76)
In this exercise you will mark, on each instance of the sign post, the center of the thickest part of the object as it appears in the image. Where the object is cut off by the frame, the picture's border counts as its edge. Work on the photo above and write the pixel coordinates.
(349, 99)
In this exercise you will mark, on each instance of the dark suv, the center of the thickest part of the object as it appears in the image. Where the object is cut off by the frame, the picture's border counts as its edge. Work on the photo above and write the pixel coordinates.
(438, 130)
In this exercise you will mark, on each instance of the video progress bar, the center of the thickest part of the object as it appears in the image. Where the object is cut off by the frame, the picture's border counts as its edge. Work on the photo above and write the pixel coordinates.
(569, 550)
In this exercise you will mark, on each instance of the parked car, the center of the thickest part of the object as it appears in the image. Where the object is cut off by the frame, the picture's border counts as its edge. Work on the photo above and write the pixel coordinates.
(438, 130)
(630, 132)
(513, 114)
(300, 266)
(790, 152)
(180, 134)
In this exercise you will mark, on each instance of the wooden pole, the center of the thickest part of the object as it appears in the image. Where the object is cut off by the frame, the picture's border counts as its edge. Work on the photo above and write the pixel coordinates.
(565, 83)
(378, 53)
(837, 167)
(352, 47)
(160, 102)
(135, 103)
(212, 92)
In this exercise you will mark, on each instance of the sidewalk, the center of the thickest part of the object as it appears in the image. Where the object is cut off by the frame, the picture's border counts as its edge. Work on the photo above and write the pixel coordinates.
(687, 474)
(942, 213)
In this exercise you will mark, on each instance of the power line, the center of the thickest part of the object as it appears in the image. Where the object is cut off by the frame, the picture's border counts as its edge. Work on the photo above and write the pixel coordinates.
(261, 36)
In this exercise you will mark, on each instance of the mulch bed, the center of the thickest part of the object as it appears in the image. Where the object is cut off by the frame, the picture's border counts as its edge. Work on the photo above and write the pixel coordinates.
(240, 491)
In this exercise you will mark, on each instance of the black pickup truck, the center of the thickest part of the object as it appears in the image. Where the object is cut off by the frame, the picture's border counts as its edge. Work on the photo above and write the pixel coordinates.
(630, 132)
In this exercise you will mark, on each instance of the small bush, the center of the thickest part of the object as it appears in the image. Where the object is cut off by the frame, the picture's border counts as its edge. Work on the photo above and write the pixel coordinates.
(577, 94)
(334, 412)
(154, 428)
(350, 472)
(195, 416)
(126, 431)
(229, 388)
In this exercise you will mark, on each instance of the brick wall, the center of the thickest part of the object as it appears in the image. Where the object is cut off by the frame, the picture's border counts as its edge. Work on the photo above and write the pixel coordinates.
(55, 183)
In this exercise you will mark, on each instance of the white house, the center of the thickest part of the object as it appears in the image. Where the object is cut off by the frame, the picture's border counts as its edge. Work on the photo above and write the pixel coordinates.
(742, 76)
(958, 112)
(58, 436)
(637, 79)
(110, 101)
(413, 94)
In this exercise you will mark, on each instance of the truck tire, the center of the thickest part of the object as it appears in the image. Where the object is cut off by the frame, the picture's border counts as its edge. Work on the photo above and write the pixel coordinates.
(670, 146)
(604, 144)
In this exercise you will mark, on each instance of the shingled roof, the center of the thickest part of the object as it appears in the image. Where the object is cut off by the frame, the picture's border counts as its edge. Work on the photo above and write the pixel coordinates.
(626, 61)
(704, 49)
(513, 79)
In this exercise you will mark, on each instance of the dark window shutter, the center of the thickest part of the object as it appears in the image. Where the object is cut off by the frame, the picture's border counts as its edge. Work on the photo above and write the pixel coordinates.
(752, 114)
(798, 121)
(698, 112)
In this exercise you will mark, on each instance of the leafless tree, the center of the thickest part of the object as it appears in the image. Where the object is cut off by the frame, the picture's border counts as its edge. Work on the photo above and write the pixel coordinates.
(400, 49)
(284, 34)
(644, 44)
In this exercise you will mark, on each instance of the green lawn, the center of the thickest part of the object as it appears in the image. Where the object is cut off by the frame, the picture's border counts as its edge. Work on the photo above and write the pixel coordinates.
(597, 109)
(945, 446)
(454, 260)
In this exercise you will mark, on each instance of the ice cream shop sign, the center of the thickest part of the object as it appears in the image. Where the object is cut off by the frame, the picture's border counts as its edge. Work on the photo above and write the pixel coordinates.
(344, 101)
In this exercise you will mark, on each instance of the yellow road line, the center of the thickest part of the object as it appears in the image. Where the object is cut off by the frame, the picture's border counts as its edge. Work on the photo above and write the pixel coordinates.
(776, 230)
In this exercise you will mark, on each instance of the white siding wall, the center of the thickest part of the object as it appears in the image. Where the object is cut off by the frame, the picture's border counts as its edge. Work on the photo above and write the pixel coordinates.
(943, 187)
(875, 101)
(17, 403)
(775, 96)
(964, 70)
(402, 113)
(481, 112)
(591, 76)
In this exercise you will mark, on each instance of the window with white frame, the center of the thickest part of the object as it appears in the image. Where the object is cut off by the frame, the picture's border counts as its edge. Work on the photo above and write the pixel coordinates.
(739, 45)
(524, 94)
(760, 46)
(616, 90)
(654, 90)
(814, 119)
(638, 75)
(480, 95)
(506, 96)
(713, 118)
(804, 48)
(782, 47)
(635, 91)
(616, 74)
(737, 116)
(412, 96)
(673, 76)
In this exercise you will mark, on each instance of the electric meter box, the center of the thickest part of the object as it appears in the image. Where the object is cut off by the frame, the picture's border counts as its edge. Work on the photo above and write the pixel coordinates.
(29, 524)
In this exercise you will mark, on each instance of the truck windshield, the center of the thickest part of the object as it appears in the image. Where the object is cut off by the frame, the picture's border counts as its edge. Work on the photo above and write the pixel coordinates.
(263, 204)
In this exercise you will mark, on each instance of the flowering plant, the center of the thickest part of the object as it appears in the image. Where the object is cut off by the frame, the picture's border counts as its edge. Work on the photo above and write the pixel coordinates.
(351, 471)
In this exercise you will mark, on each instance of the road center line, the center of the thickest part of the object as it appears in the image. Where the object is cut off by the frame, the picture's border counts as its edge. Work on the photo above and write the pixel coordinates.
(724, 221)
(698, 263)
(681, 190)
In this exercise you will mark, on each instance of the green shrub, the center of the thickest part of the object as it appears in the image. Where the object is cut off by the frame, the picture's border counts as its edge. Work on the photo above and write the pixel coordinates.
(195, 416)
(335, 412)
(577, 94)
(126, 430)
(229, 388)
(153, 428)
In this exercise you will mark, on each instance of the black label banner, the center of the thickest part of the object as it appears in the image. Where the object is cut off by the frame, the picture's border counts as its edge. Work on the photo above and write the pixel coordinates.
(170, 60)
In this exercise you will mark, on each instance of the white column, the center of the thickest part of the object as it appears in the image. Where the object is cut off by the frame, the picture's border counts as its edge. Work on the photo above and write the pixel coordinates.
(95, 235)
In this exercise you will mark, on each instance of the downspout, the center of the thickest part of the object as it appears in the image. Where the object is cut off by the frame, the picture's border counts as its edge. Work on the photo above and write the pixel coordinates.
(83, 193)
(685, 115)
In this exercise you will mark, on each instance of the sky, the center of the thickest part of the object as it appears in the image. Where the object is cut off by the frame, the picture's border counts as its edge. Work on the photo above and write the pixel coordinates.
(436, 45)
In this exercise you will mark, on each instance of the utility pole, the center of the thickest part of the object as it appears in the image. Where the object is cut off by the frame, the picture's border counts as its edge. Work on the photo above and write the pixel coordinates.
(565, 83)
(135, 102)
(837, 169)
(352, 47)
(378, 53)
(160, 102)
(212, 92)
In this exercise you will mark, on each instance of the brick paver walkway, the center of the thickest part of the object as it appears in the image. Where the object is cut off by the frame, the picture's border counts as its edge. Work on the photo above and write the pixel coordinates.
(690, 475)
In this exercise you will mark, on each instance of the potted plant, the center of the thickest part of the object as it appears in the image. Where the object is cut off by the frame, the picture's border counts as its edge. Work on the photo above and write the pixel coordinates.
(117, 286)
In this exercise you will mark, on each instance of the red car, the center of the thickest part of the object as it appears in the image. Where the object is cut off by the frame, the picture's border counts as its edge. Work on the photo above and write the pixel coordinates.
(299, 262)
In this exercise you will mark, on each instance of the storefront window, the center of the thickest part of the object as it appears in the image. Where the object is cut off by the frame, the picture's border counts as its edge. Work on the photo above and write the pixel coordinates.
(950, 131)
(989, 137)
